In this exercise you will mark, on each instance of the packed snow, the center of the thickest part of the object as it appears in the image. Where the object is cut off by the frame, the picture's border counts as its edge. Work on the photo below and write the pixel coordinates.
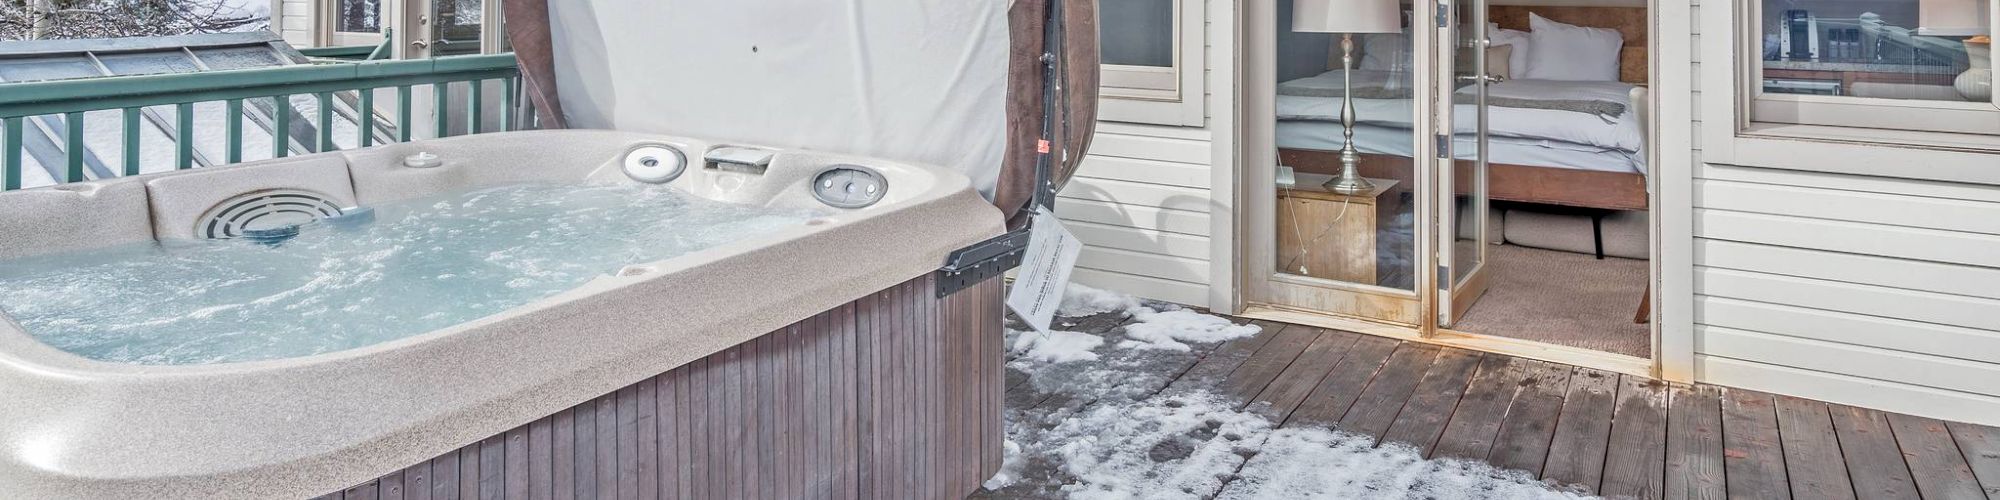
(1099, 420)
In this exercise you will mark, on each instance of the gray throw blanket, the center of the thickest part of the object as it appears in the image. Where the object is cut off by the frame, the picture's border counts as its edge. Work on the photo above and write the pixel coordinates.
(1362, 91)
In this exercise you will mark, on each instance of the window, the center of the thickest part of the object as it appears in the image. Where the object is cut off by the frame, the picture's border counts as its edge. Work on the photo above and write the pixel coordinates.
(357, 16)
(1151, 55)
(1909, 65)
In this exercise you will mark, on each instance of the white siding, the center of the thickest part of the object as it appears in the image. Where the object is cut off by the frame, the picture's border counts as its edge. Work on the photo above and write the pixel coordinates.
(295, 21)
(1870, 291)
(1143, 201)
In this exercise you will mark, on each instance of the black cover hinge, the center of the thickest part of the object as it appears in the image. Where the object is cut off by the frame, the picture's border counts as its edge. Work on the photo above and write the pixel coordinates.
(983, 260)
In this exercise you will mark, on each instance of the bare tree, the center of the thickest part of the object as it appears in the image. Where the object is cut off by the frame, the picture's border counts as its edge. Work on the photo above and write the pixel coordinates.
(59, 19)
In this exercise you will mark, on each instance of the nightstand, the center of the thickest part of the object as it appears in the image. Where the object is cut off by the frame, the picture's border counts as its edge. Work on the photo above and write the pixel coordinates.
(1344, 225)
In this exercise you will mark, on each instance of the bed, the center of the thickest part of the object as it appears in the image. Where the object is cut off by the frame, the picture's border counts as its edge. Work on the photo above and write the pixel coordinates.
(1543, 146)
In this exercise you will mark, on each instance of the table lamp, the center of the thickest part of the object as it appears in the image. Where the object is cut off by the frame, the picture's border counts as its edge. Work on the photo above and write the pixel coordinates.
(1347, 17)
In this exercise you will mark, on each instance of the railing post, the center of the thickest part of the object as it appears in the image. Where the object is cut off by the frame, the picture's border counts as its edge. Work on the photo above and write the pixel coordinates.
(281, 128)
(474, 115)
(403, 104)
(507, 104)
(74, 145)
(233, 125)
(184, 135)
(439, 107)
(10, 157)
(324, 103)
(131, 141)
(367, 119)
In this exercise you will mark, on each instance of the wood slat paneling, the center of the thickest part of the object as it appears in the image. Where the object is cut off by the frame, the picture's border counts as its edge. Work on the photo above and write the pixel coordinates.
(890, 396)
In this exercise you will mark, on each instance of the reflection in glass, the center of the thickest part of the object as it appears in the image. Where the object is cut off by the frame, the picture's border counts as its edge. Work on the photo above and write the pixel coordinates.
(1893, 49)
(358, 16)
(1136, 32)
(1366, 238)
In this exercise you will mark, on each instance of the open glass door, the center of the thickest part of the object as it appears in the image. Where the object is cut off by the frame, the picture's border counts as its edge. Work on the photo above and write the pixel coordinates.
(1462, 209)
(1345, 209)
(443, 28)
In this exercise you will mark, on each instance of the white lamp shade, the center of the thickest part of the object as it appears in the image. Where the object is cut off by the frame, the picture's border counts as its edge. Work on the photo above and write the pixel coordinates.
(1953, 17)
(1347, 16)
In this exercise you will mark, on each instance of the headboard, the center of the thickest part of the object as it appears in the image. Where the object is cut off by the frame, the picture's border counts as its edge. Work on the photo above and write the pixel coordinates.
(1629, 21)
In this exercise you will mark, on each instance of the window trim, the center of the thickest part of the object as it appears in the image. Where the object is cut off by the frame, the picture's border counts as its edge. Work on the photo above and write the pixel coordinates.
(325, 15)
(1919, 115)
(1161, 95)
(1727, 135)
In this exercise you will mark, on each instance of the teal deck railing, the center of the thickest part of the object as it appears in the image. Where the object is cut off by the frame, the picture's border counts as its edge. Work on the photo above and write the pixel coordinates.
(69, 100)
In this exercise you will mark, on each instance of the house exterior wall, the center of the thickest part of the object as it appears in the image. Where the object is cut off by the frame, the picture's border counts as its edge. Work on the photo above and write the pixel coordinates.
(1858, 289)
(1149, 200)
(295, 21)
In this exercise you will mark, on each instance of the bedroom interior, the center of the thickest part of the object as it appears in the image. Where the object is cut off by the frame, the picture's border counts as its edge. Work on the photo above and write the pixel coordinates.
(1553, 229)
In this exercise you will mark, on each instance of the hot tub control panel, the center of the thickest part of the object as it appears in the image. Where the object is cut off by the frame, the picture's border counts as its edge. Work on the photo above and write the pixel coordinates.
(849, 186)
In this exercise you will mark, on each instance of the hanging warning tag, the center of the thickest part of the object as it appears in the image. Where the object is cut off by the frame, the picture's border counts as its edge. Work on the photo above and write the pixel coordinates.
(1038, 289)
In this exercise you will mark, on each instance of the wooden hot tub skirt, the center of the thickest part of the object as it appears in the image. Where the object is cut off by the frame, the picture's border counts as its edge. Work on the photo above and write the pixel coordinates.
(895, 395)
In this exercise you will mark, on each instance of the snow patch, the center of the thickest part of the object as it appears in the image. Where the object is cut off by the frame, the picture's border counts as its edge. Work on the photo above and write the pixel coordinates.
(1056, 346)
(1010, 467)
(1080, 301)
(1173, 328)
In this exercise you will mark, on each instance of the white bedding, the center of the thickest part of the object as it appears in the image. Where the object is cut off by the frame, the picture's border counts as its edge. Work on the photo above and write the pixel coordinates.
(1622, 132)
(1509, 150)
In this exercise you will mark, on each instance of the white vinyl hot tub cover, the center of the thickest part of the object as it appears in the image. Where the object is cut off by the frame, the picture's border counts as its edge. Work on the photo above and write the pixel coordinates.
(922, 81)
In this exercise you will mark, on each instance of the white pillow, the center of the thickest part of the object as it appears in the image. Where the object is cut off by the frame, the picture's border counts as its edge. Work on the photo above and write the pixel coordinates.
(1381, 51)
(1569, 52)
(1517, 62)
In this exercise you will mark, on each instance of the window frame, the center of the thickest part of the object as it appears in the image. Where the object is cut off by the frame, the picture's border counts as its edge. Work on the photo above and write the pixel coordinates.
(1878, 142)
(1161, 95)
(326, 15)
(1920, 115)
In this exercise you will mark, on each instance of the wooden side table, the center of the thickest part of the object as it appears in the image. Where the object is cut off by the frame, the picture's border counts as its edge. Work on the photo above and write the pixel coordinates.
(1329, 235)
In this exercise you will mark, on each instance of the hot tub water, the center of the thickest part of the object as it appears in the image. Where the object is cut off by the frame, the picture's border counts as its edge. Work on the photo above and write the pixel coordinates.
(422, 265)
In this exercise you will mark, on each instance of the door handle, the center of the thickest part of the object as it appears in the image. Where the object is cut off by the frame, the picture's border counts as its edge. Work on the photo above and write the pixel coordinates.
(1478, 78)
(420, 44)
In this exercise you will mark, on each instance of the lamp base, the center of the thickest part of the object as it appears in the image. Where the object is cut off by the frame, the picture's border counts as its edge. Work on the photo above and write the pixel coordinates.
(1349, 185)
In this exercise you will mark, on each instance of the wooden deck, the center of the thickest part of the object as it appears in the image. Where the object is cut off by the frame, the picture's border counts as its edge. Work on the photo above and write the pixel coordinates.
(1613, 435)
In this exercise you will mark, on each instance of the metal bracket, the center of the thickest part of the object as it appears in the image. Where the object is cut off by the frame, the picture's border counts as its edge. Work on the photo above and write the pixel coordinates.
(984, 260)
(1443, 143)
(1444, 15)
(971, 265)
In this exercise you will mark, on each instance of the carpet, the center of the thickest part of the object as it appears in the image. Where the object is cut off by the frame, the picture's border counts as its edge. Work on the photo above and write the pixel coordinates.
(1562, 298)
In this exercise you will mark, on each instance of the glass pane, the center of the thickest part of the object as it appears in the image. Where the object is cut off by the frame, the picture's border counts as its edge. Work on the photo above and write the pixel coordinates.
(148, 63)
(1893, 49)
(50, 68)
(458, 28)
(358, 16)
(1362, 236)
(238, 58)
(1136, 32)
(1470, 63)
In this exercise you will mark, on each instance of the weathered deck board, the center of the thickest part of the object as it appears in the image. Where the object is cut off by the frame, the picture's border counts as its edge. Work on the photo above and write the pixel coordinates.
(1981, 445)
(1635, 456)
(1875, 465)
(1753, 457)
(1935, 460)
(1576, 456)
(1263, 366)
(1470, 432)
(1383, 399)
(1530, 426)
(1423, 417)
(1291, 386)
(1331, 394)
(1695, 448)
(1812, 453)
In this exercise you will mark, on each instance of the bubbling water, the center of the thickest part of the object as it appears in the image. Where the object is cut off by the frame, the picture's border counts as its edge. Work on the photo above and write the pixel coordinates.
(425, 264)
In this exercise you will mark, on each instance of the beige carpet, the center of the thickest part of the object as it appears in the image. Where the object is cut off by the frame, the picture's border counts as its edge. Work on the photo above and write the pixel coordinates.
(1562, 298)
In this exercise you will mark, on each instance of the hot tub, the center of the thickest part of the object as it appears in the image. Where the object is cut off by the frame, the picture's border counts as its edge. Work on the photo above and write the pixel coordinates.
(816, 359)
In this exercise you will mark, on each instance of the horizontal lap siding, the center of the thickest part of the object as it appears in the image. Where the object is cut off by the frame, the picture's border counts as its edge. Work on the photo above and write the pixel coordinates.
(294, 20)
(1142, 207)
(1868, 291)
(892, 396)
